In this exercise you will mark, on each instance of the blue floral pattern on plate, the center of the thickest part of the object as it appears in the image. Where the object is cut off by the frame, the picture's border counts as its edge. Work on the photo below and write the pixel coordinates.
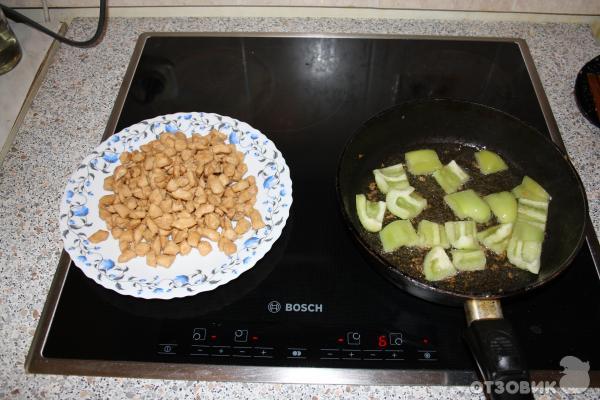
(190, 274)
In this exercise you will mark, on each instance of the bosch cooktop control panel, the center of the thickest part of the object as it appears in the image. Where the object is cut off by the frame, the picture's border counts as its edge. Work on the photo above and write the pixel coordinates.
(217, 343)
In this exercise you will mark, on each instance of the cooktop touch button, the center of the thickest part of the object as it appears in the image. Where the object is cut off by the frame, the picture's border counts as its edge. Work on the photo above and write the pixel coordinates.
(242, 352)
(262, 352)
(199, 334)
(427, 355)
(330, 354)
(373, 355)
(351, 354)
(167, 348)
(297, 352)
(393, 355)
(220, 351)
(240, 335)
(353, 338)
(396, 338)
(199, 350)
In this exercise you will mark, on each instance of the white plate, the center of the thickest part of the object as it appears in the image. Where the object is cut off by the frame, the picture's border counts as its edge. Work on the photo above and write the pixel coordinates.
(190, 274)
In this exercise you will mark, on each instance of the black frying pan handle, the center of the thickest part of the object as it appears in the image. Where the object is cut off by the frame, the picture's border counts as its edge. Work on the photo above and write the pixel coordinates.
(494, 346)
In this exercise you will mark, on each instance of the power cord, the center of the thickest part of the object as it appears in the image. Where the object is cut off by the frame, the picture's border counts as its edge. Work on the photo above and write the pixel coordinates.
(18, 17)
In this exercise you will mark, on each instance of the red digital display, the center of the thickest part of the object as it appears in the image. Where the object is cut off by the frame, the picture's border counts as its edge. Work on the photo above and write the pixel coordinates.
(340, 340)
(254, 338)
(382, 341)
(213, 337)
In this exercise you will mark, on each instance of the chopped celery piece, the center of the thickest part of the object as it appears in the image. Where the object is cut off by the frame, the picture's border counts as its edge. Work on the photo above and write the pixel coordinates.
(451, 177)
(530, 189)
(397, 234)
(437, 266)
(503, 205)
(370, 213)
(468, 204)
(524, 254)
(432, 234)
(489, 162)
(496, 238)
(533, 211)
(468, 260)
(392, 177)
(405, 203)
(422, 162)
(462, 234)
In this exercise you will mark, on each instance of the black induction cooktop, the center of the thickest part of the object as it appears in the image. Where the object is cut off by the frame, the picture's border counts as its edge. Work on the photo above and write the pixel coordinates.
(312, 301)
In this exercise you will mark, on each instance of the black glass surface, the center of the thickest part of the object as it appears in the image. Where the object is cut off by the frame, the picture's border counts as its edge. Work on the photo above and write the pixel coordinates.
(308, 95)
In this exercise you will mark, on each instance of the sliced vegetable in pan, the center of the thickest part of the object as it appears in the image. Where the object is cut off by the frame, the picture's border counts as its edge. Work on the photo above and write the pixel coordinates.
(489, 162)
(451, 177)
(530, 189)
(437, 266)
(462, 234)
(527, 231)
(521, 214)
(370, 213)
(405, 203)
(468, 260)
(533, 211)
(468, 204)
(397, 234)
(422, 162)
(496, 238)
(525, 246)
(432, 234)
(525, 254)
(392, 177)
(503, 205)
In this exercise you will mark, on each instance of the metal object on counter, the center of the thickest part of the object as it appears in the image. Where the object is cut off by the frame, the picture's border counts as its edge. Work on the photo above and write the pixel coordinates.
(10, 50)
(587, 90)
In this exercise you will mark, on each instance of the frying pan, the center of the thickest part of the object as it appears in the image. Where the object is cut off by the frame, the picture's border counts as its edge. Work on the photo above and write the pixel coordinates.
(425, 124)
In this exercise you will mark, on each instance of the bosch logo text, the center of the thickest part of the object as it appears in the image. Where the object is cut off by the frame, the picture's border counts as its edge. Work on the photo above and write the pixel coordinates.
(274, 307)
(295, 307)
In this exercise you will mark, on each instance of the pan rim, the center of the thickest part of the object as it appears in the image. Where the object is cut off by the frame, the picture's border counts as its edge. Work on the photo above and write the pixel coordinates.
(441, 291)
